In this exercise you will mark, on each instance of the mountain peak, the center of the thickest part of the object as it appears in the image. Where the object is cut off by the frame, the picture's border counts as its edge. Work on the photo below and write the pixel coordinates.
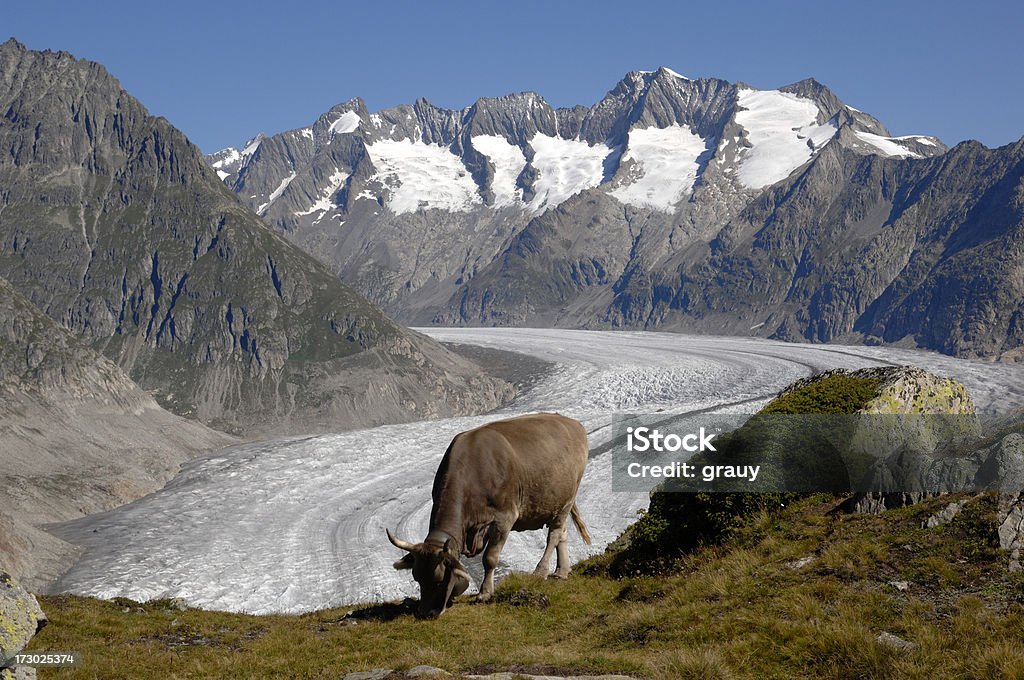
(353, 104)
(166, 249)
(666, 71)
(604, 146)
(684, 163)
(13, 44)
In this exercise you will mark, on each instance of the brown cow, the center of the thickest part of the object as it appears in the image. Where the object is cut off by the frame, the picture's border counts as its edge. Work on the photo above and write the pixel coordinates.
(510, 475)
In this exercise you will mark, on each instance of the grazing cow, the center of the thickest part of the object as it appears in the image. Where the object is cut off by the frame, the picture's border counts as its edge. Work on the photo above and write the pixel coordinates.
(511, 475)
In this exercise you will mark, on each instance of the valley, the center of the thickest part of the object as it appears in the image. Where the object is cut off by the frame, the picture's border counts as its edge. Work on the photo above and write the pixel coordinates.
(297, 524)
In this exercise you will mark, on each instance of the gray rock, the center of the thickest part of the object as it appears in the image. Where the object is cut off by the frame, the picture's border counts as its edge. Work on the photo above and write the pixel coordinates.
(427, 672)
(527, 676)
(909, 477)
(1010, 518)
(1003, 466)
(18, 673)
(375, 674)
(901, 586)
(800, 563)
(895, 642)
(20, 618)
(944, 516)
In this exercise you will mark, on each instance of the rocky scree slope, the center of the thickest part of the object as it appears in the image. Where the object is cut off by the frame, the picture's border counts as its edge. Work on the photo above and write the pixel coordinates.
(697, 205)
(112, 223)
(76, 436)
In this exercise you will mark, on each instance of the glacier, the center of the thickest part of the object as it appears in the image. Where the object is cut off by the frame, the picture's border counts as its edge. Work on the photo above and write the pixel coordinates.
(297, 524)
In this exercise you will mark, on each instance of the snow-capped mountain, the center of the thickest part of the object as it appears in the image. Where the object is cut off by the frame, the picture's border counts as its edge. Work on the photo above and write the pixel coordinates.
(515, 212)
(647, 143)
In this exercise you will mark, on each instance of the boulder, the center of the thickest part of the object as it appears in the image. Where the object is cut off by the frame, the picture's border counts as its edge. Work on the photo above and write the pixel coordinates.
(1010, 519)
(20, 619)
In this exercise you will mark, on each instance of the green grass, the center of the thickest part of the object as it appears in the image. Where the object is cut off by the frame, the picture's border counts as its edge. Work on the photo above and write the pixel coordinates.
(832, 394)
(740, 609)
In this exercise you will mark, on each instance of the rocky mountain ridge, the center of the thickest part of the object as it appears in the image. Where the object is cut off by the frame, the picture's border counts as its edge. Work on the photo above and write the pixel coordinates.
(113, 225)
(679, 204)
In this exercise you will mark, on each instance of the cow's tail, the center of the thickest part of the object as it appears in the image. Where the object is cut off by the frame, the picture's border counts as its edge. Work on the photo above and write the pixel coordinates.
(580, 526)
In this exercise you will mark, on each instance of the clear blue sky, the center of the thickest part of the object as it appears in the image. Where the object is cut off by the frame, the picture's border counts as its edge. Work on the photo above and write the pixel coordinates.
(223, 71)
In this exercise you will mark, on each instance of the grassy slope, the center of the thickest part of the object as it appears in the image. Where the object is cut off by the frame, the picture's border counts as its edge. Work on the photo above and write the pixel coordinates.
(741, 609)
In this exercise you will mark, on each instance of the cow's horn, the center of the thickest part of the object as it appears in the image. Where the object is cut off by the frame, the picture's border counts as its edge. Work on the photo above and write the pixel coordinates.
(399, 543)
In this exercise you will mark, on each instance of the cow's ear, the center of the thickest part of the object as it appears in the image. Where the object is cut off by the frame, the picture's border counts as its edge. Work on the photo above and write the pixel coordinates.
(406, 562)
(449, 549)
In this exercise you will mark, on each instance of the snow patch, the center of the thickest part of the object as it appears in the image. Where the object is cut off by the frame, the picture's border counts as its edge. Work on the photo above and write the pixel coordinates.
(307, 132)
(669, 71)
(276, 194)
(223, 175)
(251, 147)
(348, 122)
(783, 132)
(325, 202)
(422, 176)
(665, 166)
(889, 146)
(231, 155)
(508, 161)
(566, 167)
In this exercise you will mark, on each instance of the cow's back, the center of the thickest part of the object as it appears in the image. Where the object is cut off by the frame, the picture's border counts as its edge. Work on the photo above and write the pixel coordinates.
(533, 463)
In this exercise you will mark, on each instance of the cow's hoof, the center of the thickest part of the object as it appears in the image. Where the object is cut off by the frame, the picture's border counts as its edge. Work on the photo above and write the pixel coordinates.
(484, 597)
(560, 575)
(542, 573)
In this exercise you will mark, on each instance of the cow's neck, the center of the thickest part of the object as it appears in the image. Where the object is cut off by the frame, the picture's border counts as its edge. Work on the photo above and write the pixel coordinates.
(447, 524)
(440, 537)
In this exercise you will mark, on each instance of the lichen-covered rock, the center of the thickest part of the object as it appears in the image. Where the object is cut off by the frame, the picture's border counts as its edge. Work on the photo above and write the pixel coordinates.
(905, 414)
(909, 476)
(1003, 466)
(1011, 528)
(20, 618)
(944, 516)
(908, 389)
(882, 425)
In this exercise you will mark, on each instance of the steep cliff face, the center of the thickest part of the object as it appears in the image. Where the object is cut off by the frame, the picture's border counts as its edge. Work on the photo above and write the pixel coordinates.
(76, 436)
(112, 223)
(698, 205)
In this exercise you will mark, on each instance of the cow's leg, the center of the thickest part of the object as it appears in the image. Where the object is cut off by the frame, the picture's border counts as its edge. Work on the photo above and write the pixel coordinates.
(562, 571)
(555, 532)
(495, 542)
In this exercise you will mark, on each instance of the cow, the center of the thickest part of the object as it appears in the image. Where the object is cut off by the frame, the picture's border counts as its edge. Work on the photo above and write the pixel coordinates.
(517, 474)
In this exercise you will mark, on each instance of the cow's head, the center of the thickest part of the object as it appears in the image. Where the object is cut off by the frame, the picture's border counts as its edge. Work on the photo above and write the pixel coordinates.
(437, 569)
